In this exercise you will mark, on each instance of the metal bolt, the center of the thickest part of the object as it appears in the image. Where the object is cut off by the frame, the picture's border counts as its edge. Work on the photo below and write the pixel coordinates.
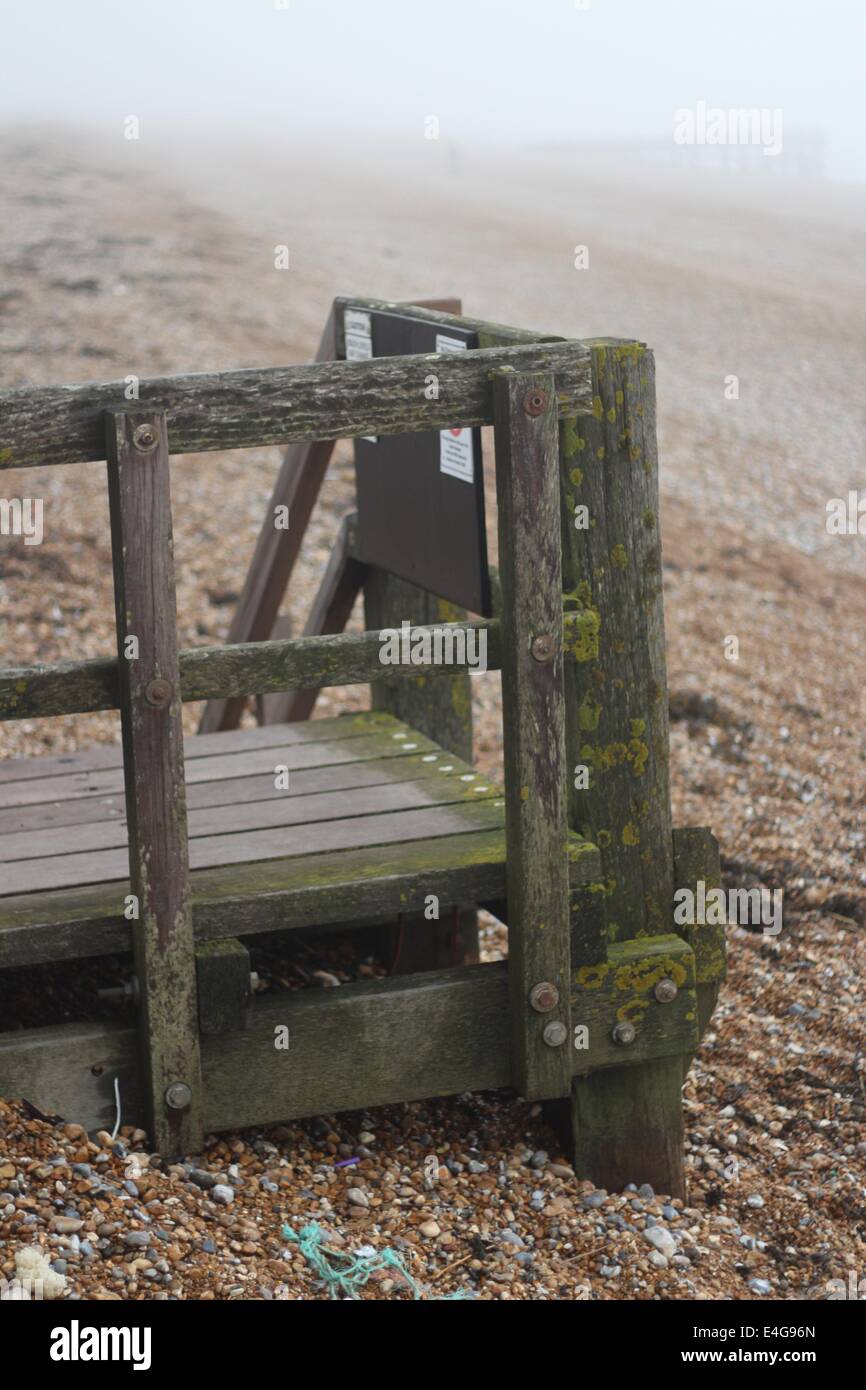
(555, 1034)
(145, 439)
(624, 1034)
(158, 692)
(665, 990)
(178, 1096)
(535, 401)
(544, 647)
(543, 997)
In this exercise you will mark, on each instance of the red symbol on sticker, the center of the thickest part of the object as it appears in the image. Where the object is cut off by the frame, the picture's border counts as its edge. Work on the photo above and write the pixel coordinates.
(456, 433)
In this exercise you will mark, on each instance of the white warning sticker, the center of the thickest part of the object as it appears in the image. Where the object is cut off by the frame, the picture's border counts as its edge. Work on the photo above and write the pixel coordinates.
(456, 456)
(359, 344)
(359, 336)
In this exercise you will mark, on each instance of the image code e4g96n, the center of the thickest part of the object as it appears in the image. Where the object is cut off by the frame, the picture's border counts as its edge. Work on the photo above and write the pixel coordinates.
(432, 554)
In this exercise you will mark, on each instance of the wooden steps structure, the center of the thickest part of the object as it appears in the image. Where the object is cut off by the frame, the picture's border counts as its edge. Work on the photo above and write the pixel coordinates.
(175, 850)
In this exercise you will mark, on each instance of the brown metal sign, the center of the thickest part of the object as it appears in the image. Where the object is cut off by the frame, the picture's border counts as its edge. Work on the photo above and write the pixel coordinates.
(421, 496)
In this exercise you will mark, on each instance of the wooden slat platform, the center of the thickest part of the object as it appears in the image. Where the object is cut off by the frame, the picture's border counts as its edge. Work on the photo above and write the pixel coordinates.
(375, 815)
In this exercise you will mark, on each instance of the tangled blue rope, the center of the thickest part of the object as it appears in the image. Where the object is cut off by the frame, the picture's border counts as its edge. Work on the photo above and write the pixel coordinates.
(347, 1274)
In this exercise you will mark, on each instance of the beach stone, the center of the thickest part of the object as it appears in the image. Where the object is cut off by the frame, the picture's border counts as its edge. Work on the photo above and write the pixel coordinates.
(661, 1240)
(760, 1286)
(430, 1230)
(357, 1197)
(137, 1239)
(223, 1194)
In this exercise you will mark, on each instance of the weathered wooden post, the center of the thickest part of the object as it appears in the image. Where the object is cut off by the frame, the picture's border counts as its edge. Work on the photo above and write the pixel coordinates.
(150, 709)
(624, 1123)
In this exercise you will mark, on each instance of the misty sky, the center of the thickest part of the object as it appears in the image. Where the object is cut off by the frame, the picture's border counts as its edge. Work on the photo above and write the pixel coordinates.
(491, 71)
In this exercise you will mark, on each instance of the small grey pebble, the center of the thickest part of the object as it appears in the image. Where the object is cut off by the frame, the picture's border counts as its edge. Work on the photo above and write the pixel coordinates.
(760, 1286)
(670, 1213)
(475, 1167)
(593, 1200)
(202, 1178)
(223, 1194)
(512, 1238)
(646, 1192)
(539, 1159)
(137, 1239)
(755, 1200)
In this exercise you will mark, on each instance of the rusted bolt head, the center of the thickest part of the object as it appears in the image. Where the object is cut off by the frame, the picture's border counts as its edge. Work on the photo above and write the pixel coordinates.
(178, 1096)
(665, 990)
(555, 1034)
(158, 692)
(543, 997)
(145, 439)
(543, 647)
(535, 401)
(624, 1034)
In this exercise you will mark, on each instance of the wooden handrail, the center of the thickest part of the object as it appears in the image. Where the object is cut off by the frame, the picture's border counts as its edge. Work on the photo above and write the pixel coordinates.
(327, 400)
(248, 668)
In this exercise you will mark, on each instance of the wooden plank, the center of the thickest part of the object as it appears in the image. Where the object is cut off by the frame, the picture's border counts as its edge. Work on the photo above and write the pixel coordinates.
(237, 792)
(332, 609)
(530, 570)
(223, 976)
(322, 837)
(261, 762)
(103, 755)
(697, 860)
(253, 668)
(283, 809)
(278, 895)
(274, 405)
(163, 946)
(451, 1027)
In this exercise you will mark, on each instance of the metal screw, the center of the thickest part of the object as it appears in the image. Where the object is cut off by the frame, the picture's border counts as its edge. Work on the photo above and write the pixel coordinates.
(624, 1034)
(535, 401)
(665, 990)
(543, 997)
(178, 1096)
(145, 439)
(158, 692)
(544, 647)
(555, 1034)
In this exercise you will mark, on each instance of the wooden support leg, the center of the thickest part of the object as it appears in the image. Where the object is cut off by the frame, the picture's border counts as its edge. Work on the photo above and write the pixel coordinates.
(441, 709)
(623, 1124)
(223, 973)
(626, 1125)
(530, 559)
(160, 907)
